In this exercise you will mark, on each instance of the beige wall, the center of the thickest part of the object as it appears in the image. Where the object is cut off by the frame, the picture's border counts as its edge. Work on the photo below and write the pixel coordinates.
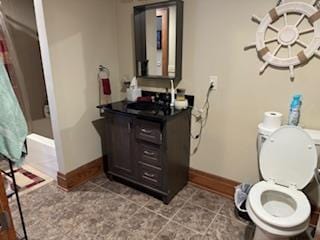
(81, 35)
(215, 32)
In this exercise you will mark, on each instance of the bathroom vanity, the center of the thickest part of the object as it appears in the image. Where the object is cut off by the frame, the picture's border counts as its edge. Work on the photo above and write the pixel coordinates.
(147, 146)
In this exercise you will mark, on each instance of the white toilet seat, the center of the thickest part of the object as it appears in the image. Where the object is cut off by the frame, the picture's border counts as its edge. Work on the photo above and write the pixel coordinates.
(299, 216)
(276, 205)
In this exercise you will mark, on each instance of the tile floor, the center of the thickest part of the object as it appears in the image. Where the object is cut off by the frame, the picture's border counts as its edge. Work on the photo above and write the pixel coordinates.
(101, 209)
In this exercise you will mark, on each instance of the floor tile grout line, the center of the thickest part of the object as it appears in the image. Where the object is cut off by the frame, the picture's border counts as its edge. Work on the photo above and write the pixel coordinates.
(161, 229)
(140, 207)
(209, 226)
(120, 195)
(208, 209)
(212, 221)
(28, 193)
(150, 210)
(187, 200)
(129, 217)
(180, 224)
(216, 213)
(235, 219)
(96, 186)
(117, 194)
(97, 183)
(172, 217)
(169, 220)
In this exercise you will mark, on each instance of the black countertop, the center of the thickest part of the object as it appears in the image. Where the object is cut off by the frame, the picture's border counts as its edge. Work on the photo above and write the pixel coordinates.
(161, 114)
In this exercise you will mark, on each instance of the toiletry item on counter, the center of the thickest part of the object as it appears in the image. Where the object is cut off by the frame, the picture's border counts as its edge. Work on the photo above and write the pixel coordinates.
(181, 102)
(294, 114)
(133, 92)
(272, 120)
(172, 94)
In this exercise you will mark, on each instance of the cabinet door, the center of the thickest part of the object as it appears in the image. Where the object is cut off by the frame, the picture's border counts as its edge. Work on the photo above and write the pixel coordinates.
(121, 156)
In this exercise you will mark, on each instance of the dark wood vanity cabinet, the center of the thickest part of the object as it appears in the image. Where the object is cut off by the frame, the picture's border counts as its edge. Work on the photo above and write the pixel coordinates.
(152, 154)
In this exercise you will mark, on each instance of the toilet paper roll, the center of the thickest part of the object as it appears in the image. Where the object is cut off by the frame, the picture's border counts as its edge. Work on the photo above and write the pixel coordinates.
(272, 120)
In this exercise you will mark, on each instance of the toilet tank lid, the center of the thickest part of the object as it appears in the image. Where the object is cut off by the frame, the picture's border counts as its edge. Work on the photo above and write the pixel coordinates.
(288, 157)
(314, 134)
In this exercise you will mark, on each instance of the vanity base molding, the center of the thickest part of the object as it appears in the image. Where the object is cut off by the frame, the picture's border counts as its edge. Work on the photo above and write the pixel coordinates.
(80, 175)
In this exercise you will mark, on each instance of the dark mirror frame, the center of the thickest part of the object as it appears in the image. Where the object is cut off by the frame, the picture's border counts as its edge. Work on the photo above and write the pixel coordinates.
(140, 39)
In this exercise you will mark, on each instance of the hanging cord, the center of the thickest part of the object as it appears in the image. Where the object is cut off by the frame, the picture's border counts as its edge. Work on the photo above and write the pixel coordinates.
(317, 4)
(202, 120)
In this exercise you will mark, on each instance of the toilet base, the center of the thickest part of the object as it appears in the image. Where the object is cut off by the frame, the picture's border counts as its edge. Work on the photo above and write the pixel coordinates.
(259, 234)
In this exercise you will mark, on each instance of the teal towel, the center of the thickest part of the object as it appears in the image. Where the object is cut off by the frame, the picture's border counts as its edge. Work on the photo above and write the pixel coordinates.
(13, 126)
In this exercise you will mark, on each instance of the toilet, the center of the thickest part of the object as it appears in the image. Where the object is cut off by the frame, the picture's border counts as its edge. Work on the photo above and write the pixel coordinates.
(276, 205)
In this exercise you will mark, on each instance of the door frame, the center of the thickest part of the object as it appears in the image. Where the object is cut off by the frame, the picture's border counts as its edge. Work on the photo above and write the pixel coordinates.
(164, 14)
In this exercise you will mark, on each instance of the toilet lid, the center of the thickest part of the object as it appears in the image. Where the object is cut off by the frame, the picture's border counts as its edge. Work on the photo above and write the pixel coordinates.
(288, 157)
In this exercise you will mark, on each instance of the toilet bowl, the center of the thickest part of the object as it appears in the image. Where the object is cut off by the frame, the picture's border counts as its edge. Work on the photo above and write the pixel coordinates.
(277, 205)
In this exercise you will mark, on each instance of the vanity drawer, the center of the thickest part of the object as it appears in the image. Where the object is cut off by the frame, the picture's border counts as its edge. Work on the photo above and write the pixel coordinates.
(148, 131)
(150, 176)
(149, 154)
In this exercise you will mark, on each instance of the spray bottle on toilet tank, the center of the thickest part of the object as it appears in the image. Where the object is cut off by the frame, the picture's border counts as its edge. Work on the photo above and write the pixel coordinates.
(294, 114)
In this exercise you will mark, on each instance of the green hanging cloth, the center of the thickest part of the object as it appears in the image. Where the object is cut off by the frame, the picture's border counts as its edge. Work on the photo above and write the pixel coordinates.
(13, 126)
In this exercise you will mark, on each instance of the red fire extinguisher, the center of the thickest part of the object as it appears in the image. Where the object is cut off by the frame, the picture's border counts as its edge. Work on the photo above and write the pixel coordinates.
(104, 75)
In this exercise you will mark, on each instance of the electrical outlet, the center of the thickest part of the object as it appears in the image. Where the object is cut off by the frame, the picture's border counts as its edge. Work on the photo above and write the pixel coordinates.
(213, 80)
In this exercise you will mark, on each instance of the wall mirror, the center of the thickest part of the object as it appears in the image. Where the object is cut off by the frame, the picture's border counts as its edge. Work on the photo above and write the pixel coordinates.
(158, 40)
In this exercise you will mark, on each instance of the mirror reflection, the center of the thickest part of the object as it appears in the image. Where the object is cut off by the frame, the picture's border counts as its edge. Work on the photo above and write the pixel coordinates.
(161, 41)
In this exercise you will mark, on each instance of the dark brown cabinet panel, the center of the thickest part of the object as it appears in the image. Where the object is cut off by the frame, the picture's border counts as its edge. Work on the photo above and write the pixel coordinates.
(153, 155)
(121, 148)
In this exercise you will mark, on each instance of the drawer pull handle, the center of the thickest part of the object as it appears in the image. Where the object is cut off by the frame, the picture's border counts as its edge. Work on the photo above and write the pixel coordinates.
(149, 175)
(148, 153)
(146, 131)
